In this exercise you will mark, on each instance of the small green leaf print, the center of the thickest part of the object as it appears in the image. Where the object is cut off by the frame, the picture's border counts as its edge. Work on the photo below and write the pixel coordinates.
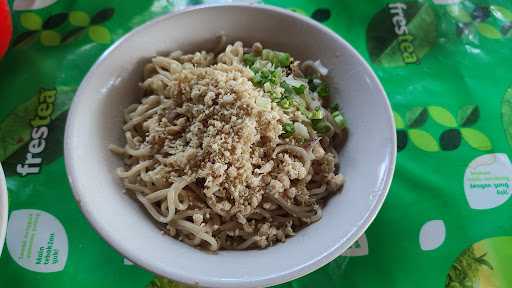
(31, 21)
(73, 34)
(102, 16)
(416, 117)
(501, 13)
(321, 15)
(468, 115)
(399, 123)
(99, 34)
(488, 31)
(50, 38)
(458, 13)
(15, 129)
(506, 114)
(401, 140)
(79, 18)
(24, 38)
(476, 139)
(298, 11)
(423, 140)
(442, 116)
(55, 21)
(450, 139)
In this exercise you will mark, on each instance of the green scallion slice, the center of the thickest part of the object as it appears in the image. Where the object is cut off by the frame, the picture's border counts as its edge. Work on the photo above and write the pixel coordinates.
(323, 90)
(285, 103)
(339, 119)
(249, 59)
(299, 90)
(283, 59)
(321, 126)
(317, 114)
(288, 130)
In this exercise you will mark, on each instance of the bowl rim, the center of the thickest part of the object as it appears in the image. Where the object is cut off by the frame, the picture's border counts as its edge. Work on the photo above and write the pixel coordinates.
(190, 278)
(3, 208)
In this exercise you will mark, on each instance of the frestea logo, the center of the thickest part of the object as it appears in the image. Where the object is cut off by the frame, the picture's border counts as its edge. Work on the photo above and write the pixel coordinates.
(33, 160)
(401, 33)
(404, 38)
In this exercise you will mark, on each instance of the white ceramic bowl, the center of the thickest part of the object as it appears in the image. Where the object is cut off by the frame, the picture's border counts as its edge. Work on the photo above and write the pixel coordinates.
(3, 208)
(95, 121)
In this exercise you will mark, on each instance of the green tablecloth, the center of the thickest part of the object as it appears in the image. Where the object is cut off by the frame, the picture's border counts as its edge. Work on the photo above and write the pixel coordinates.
(445, 65)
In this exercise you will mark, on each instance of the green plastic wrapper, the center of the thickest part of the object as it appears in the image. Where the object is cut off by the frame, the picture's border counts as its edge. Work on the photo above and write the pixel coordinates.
(445, 65)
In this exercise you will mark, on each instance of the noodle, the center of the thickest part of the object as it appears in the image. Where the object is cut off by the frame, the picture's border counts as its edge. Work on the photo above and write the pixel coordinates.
(134, 170)
(212, 156)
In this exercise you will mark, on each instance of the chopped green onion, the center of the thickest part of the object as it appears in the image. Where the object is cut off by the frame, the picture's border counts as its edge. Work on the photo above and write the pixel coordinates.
(249, 59)
(288, 90)
(288, 130)
(299, 90)
(267, 76)
(321, 126)
(339, 119)
(285, 103)
(267, 54)
(304, 111)
(275, 76)
(274, 96)
(317, 114)
(283, 59)
(323, 90)
(278, 59)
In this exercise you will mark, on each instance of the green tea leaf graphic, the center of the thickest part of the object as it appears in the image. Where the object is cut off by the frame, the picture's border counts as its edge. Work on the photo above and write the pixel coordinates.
(458, 13)
(442, 116)
(423, 140)
(50, 38)
(102, 16)
(298, 10)
(476, 139)
(15, 129)
(321, 14)
(450, 139)
(73, 34)
(55, 21)
(399, 123)
(468, 115)
(401, 140)
(385, 45)
(482, 261)
(79, 18)
(99, 34)
(481, 13)
(54, 147)
(416, 117)
(464, 271)
(501, 13)
(506, 114)
(31, 21)
(488, 31)
(24, 38)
